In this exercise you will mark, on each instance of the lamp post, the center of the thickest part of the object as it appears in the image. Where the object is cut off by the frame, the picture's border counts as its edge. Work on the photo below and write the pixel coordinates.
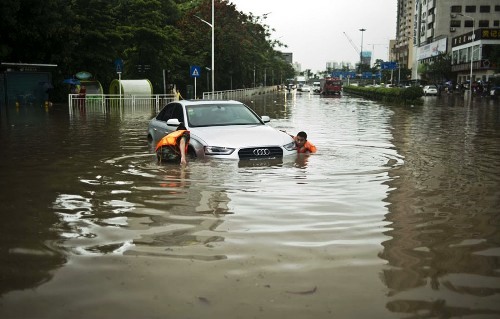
(471, 48)
(254, 75)
(213, 47)
(211, 25)
(361, 52)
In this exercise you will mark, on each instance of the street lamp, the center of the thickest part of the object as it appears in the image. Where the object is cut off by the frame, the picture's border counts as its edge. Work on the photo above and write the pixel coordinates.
(211, 25)
(471, 49)
(361, 52)
(213, 46)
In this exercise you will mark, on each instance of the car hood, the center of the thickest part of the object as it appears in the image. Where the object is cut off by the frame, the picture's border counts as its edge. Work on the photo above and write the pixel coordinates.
(238, 136)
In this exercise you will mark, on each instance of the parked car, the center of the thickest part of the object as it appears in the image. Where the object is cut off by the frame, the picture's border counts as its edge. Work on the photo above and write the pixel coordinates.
(222, 129)
(305, 88)
(430, 90)
(316, 87)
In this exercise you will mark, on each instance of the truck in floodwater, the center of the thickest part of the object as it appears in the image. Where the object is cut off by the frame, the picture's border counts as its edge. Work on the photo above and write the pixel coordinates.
(331, 86)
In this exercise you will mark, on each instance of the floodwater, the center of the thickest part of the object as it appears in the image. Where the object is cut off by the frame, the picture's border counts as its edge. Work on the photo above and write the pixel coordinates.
(396, 216)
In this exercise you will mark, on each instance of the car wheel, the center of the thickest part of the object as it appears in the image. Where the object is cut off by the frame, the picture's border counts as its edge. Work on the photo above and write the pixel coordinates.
(191, 152)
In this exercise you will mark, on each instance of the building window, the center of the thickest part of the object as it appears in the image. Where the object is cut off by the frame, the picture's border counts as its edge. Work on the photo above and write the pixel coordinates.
(484, 23)
(496, 23)
(469, 24)
(454, 59)
(497, 8)
(456, 9)
(484, 9)
(455, 23)
(470, 8)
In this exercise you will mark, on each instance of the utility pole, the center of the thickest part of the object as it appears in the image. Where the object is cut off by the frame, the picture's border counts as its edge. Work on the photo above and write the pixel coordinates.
(361, 54)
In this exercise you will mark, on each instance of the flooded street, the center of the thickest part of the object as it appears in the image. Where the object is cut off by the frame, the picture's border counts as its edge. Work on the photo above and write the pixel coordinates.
(396, 216)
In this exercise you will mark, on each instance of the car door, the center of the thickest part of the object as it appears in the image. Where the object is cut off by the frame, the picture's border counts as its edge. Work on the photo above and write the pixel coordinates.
(170, 111)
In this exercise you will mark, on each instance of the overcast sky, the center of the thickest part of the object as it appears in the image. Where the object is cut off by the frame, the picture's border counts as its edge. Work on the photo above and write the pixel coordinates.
(314, 30)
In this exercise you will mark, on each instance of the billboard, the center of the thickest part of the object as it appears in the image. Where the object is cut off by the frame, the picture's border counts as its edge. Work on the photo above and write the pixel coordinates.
(432, 49)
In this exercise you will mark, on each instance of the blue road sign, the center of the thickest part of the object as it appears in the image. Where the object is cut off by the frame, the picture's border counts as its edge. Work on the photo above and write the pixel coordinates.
(119, 65)
(336, 74)
(195, 71)
(389, 65)
(343, 74)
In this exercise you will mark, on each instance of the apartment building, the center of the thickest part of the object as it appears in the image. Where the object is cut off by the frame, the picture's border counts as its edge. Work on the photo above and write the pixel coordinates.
(403, 46)
(428, 28)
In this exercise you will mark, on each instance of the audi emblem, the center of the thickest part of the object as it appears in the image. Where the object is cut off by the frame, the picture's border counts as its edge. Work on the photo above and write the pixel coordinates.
(261, 152)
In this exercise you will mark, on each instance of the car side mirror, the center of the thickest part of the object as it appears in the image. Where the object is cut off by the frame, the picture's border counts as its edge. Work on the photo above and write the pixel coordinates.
(265, 119)
(173, 122)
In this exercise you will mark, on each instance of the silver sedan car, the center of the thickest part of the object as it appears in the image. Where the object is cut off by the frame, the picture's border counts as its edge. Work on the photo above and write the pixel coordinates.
(222, 129)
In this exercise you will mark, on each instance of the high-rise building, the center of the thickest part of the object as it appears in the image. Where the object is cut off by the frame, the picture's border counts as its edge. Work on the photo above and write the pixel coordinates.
(428, 28)
(336, 66)
(402, 49)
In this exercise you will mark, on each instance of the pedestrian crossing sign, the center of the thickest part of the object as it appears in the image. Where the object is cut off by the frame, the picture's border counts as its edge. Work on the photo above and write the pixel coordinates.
(195, 71)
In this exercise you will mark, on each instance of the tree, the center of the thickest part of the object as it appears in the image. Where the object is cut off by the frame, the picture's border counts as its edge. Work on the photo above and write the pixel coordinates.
(149, 35)
(439, 70)
(150, 40)
(242, 45)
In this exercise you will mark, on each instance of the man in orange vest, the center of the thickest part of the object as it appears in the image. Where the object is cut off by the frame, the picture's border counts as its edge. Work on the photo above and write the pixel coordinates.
(173, 147)
(302, 144)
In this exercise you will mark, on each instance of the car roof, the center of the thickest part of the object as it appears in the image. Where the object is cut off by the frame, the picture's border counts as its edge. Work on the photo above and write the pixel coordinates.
(203, 102)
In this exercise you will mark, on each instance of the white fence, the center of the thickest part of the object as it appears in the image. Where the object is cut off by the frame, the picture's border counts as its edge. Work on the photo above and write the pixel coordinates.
(107, 102)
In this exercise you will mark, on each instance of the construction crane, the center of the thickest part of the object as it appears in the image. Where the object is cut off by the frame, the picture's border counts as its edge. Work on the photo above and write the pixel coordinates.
(353, 45)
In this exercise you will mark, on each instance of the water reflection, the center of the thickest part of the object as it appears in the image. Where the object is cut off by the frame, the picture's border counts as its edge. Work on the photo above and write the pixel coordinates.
(444, 209)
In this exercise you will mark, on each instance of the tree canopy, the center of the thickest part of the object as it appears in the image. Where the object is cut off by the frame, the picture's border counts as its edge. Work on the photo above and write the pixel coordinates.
(152, 37)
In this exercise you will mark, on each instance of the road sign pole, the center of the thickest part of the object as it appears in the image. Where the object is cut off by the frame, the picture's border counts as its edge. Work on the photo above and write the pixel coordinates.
(120, 86)
(195, 88)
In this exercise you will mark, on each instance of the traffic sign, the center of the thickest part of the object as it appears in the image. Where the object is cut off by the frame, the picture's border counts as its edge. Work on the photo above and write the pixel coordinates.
(119, 65)
(343, 74)
(389, 65)
(195, 71)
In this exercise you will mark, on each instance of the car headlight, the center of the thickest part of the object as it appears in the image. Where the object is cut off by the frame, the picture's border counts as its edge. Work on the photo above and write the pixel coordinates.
(218, 150)
(290, 146)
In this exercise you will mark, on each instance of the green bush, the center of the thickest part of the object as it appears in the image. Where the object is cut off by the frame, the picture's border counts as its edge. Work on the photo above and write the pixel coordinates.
(413, 93)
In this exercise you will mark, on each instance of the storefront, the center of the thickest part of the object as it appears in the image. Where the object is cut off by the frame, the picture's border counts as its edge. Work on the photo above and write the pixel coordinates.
(471, 54)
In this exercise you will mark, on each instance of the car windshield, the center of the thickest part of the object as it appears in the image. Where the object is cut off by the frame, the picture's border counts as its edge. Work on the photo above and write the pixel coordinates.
(220, 114)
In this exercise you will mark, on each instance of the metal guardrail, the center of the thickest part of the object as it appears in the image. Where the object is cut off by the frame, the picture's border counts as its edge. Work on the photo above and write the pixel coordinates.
(238, 94)
(108, 101)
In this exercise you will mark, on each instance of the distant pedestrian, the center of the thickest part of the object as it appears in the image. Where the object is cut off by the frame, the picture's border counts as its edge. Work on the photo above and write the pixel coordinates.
(82, 93)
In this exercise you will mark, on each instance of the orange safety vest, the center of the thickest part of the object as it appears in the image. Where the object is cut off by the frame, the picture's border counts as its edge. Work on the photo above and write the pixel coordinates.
(172, 140)
(308, 147)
